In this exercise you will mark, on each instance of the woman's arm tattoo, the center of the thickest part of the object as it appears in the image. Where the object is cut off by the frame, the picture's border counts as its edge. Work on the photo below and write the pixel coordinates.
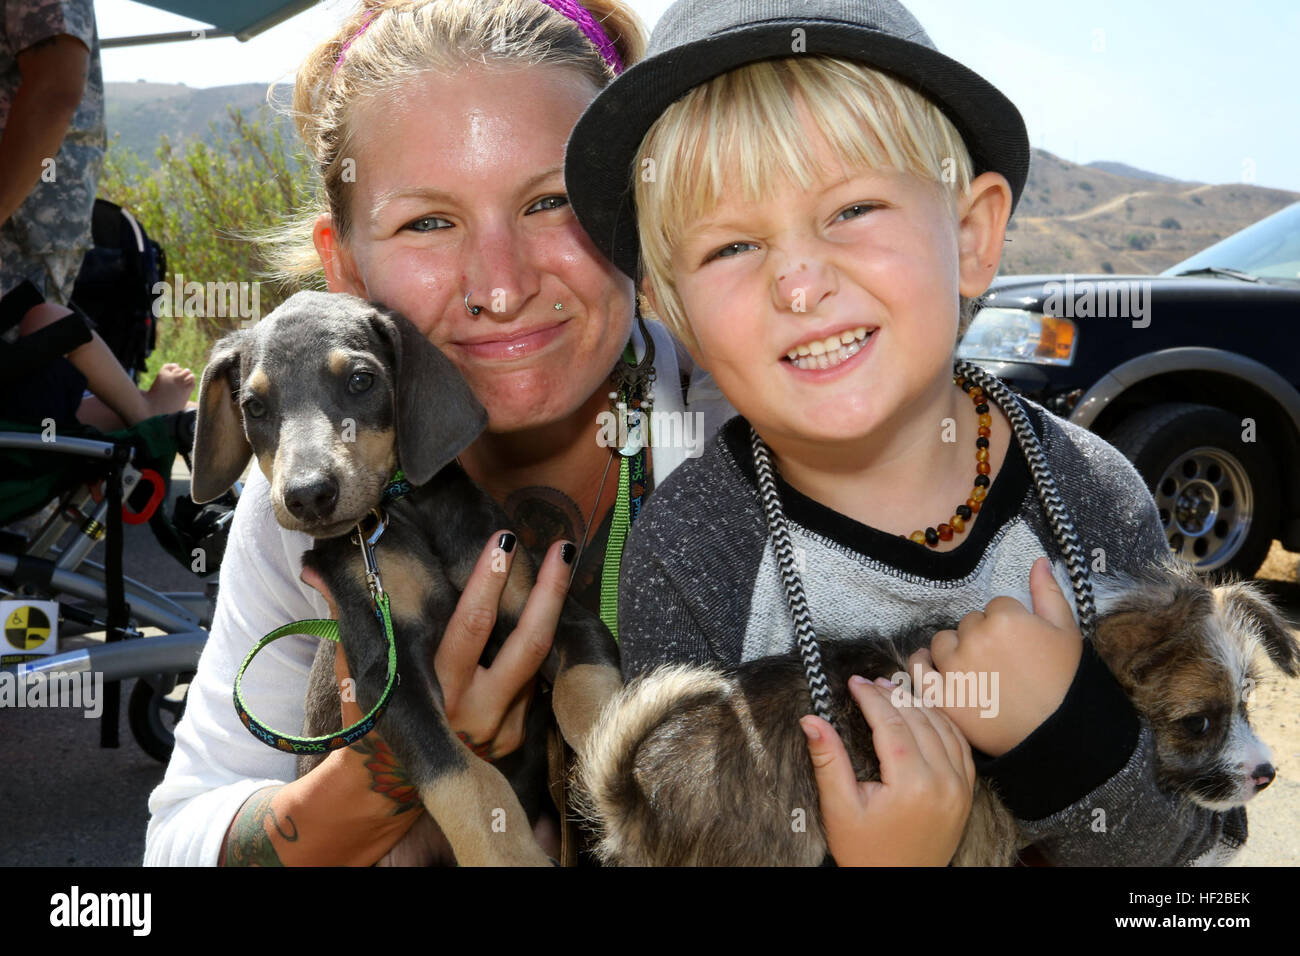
(247, 842)
(386, 773)
(485, 750)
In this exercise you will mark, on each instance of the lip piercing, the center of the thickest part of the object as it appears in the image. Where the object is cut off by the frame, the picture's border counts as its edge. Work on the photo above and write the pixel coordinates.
(472, 309)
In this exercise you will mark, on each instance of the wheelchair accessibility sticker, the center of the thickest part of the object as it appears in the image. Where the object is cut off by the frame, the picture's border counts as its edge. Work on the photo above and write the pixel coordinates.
(31, 630)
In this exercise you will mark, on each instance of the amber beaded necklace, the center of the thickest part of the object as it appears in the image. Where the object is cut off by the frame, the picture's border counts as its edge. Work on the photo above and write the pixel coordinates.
(963, 513)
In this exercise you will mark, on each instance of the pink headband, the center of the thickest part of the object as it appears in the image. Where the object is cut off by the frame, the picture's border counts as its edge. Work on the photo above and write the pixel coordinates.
(576, 12)
(353, 38)
(590, 28)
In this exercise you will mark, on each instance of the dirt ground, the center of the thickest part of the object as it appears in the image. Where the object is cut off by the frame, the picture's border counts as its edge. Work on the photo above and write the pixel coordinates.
(1274, 815)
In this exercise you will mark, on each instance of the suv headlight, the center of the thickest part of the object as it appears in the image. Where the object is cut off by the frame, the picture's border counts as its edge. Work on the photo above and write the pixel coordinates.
(1018, 335)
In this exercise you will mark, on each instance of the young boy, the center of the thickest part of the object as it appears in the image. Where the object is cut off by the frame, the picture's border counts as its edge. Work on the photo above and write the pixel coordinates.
(819, 198)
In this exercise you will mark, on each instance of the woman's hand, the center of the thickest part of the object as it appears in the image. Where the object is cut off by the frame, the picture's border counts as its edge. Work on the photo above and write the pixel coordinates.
(915, 814)
(487, 706)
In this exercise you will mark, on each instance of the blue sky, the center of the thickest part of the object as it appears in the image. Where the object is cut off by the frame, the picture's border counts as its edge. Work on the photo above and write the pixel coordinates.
(1188, 88)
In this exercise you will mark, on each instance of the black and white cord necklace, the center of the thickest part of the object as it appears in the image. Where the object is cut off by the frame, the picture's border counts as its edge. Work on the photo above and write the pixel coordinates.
(1057, 515)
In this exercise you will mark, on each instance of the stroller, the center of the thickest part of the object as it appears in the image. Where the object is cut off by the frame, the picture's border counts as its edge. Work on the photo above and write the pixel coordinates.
(50, 481)
(59, 481)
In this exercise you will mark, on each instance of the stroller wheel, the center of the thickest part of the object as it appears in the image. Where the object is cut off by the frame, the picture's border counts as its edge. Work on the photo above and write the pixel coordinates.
(153, 716)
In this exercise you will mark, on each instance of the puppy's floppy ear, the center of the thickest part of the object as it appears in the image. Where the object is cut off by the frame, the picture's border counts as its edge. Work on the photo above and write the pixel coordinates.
(438, 416)
(221, 451)
(1274, 632)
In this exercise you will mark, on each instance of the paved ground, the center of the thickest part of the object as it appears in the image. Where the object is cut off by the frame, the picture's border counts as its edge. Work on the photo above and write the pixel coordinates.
(67, 802)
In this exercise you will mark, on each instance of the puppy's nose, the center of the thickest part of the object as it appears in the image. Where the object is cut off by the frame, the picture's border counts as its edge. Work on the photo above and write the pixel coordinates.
(311, 498)
(1263, 775)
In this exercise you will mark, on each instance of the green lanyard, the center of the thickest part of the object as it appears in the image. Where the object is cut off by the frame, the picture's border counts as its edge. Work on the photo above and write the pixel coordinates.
(631, 489)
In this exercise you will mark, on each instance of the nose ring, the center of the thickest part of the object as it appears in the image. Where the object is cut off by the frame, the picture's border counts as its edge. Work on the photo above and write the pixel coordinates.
(472, 309)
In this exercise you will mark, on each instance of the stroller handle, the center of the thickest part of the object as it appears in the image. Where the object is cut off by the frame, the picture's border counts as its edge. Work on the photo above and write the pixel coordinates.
(122, 660)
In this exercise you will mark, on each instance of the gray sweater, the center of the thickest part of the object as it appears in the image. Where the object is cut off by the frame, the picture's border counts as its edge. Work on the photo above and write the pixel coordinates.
(701, 585)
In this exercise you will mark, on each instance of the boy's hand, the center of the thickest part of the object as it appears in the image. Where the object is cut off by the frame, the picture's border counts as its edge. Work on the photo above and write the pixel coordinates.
(1035, 656)
(915, 814)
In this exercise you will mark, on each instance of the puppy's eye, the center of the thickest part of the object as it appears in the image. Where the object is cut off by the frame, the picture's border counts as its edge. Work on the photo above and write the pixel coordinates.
(360, 382)
(1196, 725)
(253, 408)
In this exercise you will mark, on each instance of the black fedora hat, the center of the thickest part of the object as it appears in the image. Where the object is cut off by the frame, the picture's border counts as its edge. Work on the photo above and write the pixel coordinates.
(696, 40)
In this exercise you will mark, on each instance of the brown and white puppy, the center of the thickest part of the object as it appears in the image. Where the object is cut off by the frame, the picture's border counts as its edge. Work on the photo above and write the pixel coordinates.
(1188, 655)
(331, 395)
(703, 766)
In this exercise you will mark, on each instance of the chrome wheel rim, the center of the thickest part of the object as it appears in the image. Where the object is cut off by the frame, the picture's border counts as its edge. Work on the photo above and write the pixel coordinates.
(1206, 505)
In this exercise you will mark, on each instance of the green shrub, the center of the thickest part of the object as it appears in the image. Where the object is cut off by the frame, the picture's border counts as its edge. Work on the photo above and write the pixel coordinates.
(203, 202)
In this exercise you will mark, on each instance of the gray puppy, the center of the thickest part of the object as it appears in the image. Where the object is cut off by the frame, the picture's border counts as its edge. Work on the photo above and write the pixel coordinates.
(332, 395)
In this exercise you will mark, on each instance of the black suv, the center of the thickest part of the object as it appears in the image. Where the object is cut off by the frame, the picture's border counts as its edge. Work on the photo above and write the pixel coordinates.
(1188, 372)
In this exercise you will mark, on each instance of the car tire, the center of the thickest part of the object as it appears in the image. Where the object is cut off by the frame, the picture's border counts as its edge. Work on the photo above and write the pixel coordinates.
(1217, 495)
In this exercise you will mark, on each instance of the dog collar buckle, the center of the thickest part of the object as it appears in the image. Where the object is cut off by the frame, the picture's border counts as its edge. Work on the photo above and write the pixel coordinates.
(367, 540)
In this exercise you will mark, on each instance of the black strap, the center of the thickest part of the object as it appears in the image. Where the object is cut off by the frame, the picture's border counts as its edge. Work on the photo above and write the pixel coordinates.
(35, 573)
(31, 353)
(118, 611)
(17, 302)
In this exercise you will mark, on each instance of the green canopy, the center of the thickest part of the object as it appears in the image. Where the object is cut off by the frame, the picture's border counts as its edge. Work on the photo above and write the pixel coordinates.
(241, 19)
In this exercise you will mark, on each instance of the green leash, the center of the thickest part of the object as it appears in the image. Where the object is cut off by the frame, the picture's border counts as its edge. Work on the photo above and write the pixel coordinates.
(344, 738)
(329, 630)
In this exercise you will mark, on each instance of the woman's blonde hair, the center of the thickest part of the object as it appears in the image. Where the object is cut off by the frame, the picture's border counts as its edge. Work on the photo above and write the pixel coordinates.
(383, 45)
(741, 132)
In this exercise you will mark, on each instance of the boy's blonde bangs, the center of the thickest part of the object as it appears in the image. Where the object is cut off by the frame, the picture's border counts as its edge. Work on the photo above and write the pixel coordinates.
(741, 132)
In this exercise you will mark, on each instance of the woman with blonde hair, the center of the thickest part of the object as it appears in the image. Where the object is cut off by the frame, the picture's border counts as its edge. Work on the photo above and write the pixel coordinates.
(438, 129)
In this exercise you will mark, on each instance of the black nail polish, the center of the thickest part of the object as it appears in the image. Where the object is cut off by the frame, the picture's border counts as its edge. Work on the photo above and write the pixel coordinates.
(506, 542)
(567, 551)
